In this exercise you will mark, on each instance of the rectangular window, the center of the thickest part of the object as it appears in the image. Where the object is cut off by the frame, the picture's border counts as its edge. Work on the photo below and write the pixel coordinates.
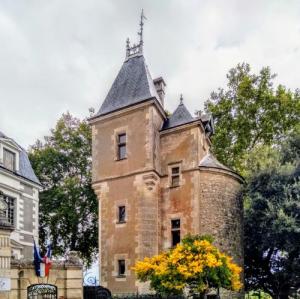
(121, 267)
(122, 146)
(122, 214)
(9, 160)
(11, 210)
(9, 213)
(175, 231)
(175, 177)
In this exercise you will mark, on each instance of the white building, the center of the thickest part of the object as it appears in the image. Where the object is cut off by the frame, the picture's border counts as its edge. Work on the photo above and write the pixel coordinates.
(20, 187)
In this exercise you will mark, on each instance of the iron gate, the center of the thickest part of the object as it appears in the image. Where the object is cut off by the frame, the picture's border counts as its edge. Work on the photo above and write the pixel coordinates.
(42, 291)
(96, 292)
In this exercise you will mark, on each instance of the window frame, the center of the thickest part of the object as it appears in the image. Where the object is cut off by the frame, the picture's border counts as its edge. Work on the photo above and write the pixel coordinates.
(121, 144)
(14, 155)
(119, 214)
(10, 213)
(175, 230)
(175, 176)
(119, 268)
(11, 209)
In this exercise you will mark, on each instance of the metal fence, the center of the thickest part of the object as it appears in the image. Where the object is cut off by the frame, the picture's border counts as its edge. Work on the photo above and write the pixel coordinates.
(46, 291)
(96, 292)
(155, 296)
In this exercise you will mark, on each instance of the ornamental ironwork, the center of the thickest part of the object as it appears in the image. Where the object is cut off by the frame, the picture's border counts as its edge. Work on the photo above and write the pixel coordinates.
(42, 291)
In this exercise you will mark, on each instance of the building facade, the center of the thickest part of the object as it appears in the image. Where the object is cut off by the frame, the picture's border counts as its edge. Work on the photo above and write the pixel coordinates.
(20, 188)
(155, 177)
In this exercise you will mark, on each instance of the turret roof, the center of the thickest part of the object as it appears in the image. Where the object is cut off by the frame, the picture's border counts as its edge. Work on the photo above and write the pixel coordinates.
(179, 117)
(209, 160)
(132, 85)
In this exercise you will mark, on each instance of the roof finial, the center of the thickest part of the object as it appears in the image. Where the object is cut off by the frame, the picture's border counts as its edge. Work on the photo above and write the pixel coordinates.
(136, 49)
(140, 33)
(127, 47)
(181, 99)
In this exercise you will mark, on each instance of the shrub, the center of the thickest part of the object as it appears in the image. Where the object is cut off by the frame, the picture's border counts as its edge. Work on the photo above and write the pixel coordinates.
(195, 264)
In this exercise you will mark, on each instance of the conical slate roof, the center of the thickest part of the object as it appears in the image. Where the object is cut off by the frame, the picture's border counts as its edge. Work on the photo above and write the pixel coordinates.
(132, 85)
(209, 160)
(180, 116)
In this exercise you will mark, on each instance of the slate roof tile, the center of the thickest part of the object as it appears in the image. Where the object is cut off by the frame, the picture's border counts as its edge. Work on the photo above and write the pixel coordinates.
(209, 160)
(180, 116)
(132, 85)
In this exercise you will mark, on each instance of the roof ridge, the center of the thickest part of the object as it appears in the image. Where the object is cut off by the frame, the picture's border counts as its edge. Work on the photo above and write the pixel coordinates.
(150, 82)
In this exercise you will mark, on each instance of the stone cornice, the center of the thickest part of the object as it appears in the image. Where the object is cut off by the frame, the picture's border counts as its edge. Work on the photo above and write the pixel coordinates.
(72, 261)
(230, 173)
(20, 178)
(144, 171)
(7, 187)
(128, 110)
(161, 175)
(28, 264)
(194, 123)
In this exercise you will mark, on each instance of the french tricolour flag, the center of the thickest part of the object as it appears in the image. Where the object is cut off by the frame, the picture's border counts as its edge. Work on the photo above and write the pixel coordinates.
(42, 265)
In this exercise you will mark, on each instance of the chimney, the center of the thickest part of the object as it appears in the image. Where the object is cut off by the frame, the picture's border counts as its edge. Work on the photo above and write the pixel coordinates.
(160, 85)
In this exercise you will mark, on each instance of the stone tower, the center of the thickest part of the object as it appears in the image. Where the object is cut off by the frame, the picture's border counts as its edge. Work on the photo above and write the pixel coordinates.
(155, 177)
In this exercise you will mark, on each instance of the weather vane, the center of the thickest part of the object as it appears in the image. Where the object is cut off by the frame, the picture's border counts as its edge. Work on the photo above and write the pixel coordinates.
(181, 99)
(136, 48)
(140, 33)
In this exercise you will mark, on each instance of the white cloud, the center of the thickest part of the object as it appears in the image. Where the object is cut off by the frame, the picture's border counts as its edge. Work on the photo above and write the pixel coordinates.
(63, 55)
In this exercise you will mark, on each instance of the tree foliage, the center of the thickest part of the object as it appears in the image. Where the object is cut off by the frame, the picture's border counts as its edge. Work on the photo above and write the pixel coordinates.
(250, 112)
(68, 205)
(194, 264)
(272, 225)
(258, 134)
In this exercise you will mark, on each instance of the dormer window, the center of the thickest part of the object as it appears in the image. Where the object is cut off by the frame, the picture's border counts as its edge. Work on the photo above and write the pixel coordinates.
(9, 159)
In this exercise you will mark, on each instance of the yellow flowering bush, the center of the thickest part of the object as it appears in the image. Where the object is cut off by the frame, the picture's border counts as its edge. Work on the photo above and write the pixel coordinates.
(195, 264)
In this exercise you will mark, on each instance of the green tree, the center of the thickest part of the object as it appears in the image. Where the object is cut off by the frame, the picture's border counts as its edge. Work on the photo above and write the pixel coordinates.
(249, 113)
(272, 225)
(68, 205)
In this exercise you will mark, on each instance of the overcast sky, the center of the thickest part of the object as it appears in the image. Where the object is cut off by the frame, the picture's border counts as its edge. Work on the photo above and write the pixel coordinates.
(63, 55)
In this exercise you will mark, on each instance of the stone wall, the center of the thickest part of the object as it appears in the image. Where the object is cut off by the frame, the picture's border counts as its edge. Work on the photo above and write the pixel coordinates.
(205, 201)
(182, 147)
(25, 213)
(132, 182)
(221, 213)
(5, 258)
(67, 276)
(141, 140)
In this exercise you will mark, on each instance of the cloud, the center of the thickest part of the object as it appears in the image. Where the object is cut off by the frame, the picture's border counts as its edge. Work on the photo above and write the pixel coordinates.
(63, 55)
